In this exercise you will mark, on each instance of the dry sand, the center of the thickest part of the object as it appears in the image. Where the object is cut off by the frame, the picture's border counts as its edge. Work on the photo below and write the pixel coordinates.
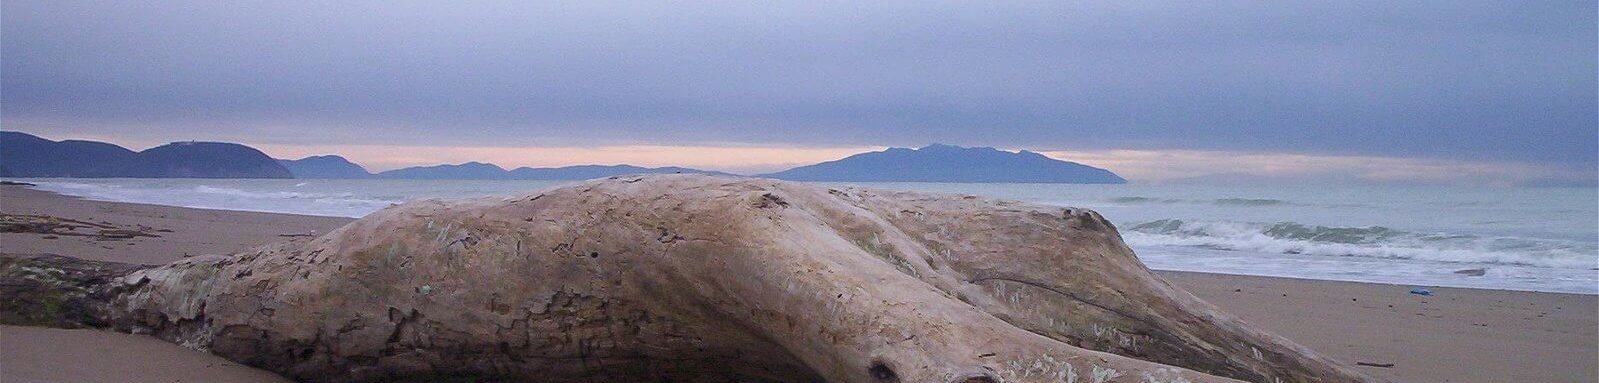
(1457, 335)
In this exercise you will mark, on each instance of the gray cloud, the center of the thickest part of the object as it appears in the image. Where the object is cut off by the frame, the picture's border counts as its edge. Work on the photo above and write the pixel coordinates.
(1450, 79)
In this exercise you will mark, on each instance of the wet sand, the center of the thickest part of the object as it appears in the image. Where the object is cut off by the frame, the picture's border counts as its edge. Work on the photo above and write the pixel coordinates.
(38, 355)
(33, 354)
(182, 231)
(1457, 335)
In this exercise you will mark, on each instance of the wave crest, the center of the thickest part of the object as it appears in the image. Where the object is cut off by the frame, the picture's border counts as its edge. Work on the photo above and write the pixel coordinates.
(1248, 202)
(1363, 241)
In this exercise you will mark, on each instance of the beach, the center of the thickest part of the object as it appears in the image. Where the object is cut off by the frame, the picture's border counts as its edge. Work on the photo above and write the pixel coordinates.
(1454, 335)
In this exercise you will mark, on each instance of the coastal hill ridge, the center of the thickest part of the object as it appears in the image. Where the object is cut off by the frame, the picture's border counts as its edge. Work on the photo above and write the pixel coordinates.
(325, 166)
(947, 163)
(26, 156)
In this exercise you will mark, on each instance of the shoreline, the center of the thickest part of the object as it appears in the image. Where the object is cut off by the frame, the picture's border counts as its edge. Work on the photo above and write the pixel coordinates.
(1405, 286)
(1502, 335)
(162, 233)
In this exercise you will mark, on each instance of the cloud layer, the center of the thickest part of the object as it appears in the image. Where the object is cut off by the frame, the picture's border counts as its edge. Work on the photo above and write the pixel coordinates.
(1449, 80)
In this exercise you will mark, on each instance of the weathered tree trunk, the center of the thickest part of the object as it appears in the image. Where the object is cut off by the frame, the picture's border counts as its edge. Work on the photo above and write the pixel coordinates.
(682, 277)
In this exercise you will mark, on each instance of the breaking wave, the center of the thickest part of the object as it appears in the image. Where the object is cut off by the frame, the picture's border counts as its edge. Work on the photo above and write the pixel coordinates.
(1248, 202)
(1368, 241)
(216, 197)
(1134, 200)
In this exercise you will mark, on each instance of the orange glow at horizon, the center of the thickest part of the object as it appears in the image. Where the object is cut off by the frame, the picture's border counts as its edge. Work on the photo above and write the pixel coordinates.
(1161, 165)
(1137, 165)
(735, 159)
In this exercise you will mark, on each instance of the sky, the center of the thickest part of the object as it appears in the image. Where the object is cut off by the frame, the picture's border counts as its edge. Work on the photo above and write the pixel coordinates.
(1445, 91)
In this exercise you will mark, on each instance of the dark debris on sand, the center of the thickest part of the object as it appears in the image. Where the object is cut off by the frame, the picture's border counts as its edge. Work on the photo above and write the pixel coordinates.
(56, 226)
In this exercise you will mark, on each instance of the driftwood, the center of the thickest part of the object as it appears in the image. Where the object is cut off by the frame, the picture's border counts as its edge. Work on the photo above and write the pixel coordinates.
(54, 226)
(682, 278)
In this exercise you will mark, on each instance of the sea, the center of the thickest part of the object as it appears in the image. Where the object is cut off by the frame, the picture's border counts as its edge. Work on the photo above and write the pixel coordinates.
(1532, 239)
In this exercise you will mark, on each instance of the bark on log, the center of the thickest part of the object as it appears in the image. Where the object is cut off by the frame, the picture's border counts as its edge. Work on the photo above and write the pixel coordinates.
(682, 277)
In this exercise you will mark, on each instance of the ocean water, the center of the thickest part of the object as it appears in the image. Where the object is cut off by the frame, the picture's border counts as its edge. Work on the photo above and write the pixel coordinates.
(1537, 239)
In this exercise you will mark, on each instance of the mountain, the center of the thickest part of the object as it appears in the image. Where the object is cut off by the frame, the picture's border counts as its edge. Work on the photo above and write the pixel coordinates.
(945, 163)
(583, 172)
(483, 171)
(328, 166)
(466, 171)
(26, 155)
(197, 160)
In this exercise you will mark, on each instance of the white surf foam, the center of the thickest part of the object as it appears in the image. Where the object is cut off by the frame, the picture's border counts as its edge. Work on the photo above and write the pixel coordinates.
(1371, 242)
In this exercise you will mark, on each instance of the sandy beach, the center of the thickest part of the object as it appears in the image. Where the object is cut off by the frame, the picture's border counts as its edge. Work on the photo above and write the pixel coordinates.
(1456, 335)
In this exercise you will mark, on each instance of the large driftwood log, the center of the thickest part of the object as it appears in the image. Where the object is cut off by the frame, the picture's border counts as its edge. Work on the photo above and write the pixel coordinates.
(682, 278)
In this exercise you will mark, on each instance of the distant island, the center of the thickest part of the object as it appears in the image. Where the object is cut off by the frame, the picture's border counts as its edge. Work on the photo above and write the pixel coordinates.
(29, 156)
(328, 166)
(583, 172)
(945, 163)
(484, 171)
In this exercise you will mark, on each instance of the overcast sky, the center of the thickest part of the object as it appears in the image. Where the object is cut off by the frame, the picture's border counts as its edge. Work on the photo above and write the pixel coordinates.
(1453, 81)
